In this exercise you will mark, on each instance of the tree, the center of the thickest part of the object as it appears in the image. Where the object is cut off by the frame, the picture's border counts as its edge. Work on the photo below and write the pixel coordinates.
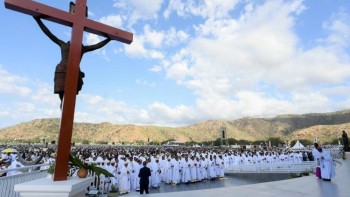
(232, 141)
(85, 142)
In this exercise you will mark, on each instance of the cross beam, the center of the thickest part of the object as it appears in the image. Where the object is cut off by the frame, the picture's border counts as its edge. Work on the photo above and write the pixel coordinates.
(59, 16)
(79, 24)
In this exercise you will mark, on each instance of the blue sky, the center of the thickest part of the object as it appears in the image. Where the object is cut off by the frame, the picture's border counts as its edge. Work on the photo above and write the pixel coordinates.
(190, 61)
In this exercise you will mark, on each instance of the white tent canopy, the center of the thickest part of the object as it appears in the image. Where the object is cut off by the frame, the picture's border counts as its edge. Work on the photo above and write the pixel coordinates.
(298, 145)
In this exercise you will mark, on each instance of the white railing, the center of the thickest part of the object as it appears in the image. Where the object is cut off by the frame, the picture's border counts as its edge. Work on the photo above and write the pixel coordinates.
(336, 152)
(29, 173)
(307, 166)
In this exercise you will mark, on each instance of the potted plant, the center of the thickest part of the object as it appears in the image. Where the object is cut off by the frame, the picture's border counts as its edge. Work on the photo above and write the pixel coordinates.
(305, 173)
(51, 170)
(114, 191)
(85, 167)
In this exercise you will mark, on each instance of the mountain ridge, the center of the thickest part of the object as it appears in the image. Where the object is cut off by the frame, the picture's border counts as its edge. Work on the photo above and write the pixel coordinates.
(324, 126)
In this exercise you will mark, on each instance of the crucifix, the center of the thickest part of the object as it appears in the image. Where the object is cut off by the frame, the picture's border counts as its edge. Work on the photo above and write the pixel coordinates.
(79, 22)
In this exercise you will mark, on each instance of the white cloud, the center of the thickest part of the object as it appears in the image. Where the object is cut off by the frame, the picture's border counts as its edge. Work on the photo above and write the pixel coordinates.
(13, 84)
(160, 113)
(156, 69)
(137, 49)
(139, 9)
(25, 107)
(153, 37)
(145, 83)
(178, 71)
(154, 54)
(92, 100)
(230, 59)
(150, 43)
(112, 20)
(25, 99)
(92, 39)
(106, 109)
(44, 94)
(4, 113)
(203, 8)
(118, 112)
(174, 37)
(339, 29)
(242, 51)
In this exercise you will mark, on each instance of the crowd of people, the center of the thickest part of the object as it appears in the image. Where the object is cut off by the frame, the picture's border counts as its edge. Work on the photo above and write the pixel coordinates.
(10, 161)
(171, 165)
(180, 165)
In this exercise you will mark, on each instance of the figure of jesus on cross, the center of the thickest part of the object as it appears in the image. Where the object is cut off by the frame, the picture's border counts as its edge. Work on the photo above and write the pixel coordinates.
(79, 22)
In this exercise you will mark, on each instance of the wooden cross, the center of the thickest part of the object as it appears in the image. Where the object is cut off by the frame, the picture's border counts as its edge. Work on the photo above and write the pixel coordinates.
(79, 24)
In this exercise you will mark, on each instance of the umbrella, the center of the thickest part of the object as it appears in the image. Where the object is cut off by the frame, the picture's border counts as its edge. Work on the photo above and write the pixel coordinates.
(9, 150)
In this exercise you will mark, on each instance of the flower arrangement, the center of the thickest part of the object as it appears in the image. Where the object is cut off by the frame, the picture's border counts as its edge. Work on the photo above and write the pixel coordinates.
(75, 161)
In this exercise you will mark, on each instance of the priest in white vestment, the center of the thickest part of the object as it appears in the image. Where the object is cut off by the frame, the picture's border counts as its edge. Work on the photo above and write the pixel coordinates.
(327, 166)
(186, 174)
(124, 182)
(193, 169)
(168, 175)
(176, 171)
(155, 174)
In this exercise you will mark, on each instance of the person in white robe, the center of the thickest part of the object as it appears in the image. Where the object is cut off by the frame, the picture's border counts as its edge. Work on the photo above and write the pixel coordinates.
(236, 159)
(300, 157)
(186, 176)
(317, 155)
(108, 180)
(114, 180)
(217, 165)
(155, 174)
(124, 182)
(162, 164)
(14, 164)
(176, 171)
(193, 169)
(269, 158)
(199, 170)
(327, 165)
(204, 165)
(137, 167)
(168, 176)
(134, 175)
(221, 167)
(149, 165)
(211, 168)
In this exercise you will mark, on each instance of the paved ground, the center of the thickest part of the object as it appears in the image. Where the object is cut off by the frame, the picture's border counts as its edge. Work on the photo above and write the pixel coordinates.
(304, 186)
